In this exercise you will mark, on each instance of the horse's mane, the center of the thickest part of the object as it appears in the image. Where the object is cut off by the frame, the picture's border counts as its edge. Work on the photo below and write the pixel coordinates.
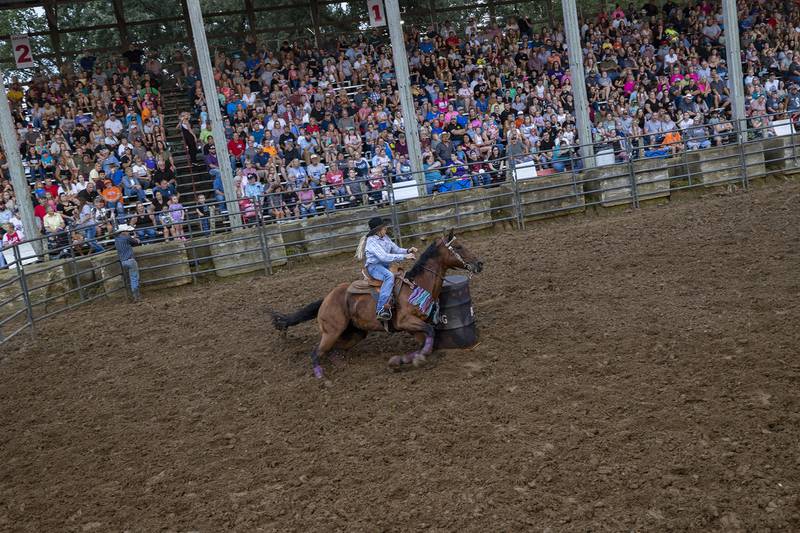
(430, 252)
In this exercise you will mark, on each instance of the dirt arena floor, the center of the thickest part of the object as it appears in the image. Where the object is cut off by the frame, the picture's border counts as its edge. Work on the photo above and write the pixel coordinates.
(639, 371)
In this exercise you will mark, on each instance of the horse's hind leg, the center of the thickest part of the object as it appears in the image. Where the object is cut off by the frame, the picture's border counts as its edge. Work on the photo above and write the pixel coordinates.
(326, 344)
(332, 323)
(349, 338)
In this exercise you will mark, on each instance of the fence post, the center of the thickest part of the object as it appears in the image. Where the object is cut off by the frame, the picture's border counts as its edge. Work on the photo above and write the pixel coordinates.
(685, 157)
(742, 158)
(634, 188)
(195, 264)
(791, 137)
(518, 208)
(78, 282)
(455, 206)
(262, 239)
(26, 297)
(574, 175)
(393, 214)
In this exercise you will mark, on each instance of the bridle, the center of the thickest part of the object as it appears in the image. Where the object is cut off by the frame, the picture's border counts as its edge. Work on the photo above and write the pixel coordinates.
(449, 245)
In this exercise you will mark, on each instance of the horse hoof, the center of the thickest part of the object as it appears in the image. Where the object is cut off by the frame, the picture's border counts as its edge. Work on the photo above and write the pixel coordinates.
(395, 362)
(419, 360)
(318, 373)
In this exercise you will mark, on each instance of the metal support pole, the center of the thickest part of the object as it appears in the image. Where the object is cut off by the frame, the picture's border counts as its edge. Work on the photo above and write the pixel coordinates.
(51, 12)
(410, 125)
(733, 56)
(214, 115)
(251, 16)
(549, 12)
(122, 27)
(315, 20)
(19, 182)
(578, 78)
(185, 11)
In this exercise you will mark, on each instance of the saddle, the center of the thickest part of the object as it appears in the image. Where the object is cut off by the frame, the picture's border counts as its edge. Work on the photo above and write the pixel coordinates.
(370, 285)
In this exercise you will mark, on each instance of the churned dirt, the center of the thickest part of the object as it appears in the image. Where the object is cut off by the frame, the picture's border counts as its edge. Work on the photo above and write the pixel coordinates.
(636, 372)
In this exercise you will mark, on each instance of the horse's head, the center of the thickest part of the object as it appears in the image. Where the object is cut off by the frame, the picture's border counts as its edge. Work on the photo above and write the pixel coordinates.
(456, 255)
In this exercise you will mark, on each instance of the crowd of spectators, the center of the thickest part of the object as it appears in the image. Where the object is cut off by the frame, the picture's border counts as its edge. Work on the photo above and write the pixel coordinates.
(93, 144)
(301, 121)
(312, 129)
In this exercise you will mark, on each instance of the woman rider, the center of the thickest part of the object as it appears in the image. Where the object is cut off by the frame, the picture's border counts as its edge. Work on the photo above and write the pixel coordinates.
(379, 251)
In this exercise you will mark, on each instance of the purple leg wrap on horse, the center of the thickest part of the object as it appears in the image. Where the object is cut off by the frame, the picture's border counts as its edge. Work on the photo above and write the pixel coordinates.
(428, 347)
(409, 357)
(318, 373)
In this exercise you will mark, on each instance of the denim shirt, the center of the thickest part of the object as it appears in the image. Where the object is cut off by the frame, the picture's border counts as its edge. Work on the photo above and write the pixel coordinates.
(382, 251)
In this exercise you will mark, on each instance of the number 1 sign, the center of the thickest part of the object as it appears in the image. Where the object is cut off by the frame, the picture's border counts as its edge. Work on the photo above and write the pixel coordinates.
(21, 45)
(377, 15)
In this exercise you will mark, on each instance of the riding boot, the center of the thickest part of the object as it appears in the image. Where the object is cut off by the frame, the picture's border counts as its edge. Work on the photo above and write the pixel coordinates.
(385, 314)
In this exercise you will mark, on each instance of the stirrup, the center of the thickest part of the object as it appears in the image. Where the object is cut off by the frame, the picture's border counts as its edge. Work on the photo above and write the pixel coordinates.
(384, 314)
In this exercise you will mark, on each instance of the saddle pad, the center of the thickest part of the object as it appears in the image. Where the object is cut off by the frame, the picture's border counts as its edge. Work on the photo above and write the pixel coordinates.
(360, 286)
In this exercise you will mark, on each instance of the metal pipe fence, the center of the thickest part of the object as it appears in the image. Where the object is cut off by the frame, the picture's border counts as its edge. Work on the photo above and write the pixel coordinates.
(468, 196)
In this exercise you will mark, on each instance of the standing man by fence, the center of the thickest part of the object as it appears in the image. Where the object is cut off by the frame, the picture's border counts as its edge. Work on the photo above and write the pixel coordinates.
(124, 243)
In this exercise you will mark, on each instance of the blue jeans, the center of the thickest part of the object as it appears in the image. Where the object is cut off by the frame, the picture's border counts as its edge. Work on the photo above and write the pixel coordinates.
(306, 211)
(133, 273)
(146, 234)
(327, 204)
(481, 179)
(432, 185)
(221, 205)
(90, 234)
(378, 271)
(139, 193)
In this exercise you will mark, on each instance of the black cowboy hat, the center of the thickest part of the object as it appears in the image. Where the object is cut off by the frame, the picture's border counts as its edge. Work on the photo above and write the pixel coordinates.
(376, 223)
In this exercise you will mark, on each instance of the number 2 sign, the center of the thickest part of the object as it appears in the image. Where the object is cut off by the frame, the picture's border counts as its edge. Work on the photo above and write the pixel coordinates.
(21, 45)
(377, 15)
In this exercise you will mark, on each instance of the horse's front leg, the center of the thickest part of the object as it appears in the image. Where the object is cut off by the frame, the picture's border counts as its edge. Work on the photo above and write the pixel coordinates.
(417, 357)
(420, 357)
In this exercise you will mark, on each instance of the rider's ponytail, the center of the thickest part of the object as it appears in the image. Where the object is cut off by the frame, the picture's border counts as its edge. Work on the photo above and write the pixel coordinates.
(362, 245)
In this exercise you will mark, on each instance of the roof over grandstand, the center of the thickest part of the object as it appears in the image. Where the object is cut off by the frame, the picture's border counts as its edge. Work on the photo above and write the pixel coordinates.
(63, 29)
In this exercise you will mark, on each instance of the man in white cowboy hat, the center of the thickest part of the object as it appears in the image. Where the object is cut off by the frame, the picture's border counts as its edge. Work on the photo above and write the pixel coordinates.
(124, 242)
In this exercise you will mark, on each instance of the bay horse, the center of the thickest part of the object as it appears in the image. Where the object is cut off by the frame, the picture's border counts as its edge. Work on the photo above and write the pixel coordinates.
(345, 318)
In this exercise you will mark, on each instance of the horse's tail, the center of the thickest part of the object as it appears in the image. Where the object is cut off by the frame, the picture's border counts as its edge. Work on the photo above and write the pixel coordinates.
(283, 322)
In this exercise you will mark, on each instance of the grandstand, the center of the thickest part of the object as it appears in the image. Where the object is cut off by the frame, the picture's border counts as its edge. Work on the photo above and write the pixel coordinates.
(118, 130)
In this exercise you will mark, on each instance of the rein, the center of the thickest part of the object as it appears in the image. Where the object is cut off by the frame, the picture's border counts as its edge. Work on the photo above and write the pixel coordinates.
(449, 246)
(432, 272)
